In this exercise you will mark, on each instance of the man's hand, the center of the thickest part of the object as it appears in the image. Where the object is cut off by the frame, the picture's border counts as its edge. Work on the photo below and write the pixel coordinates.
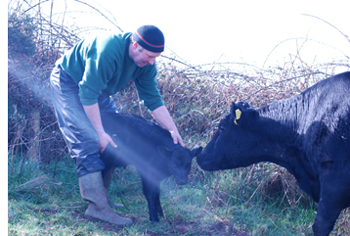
(105, 139)
(177, 137)
(162, 116)
(93, 113)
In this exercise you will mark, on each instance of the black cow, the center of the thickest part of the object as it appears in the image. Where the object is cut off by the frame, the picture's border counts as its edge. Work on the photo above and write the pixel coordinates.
(308, 134)
(149, 148)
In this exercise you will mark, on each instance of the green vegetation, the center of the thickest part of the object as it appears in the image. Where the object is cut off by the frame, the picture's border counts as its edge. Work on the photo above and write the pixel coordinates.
(43, 192)
(218, 203)
(214, 205)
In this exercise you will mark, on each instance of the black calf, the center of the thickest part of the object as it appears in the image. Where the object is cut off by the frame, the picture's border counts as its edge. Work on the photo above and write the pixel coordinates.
(151, 150)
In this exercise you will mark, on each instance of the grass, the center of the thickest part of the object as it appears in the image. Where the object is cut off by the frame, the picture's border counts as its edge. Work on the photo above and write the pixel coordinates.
(216, 206)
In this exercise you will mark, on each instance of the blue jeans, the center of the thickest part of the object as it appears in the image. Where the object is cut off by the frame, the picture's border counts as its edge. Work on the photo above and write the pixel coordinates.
(78, 132)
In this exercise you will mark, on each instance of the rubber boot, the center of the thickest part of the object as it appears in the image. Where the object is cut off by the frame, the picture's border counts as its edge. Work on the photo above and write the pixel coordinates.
(107, 175)
(92, 190)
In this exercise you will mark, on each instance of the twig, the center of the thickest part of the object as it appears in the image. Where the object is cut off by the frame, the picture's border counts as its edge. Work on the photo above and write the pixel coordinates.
(183, 63)
(100, 13)
(295, 77)
(31, 7)
(347, 37)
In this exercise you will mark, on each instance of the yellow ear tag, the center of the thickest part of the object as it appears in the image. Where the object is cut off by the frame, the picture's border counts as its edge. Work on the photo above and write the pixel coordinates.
(238, 115)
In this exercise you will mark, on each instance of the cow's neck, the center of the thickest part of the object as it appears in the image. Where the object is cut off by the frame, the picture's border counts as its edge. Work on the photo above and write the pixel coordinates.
(279, 121)
(284, 112)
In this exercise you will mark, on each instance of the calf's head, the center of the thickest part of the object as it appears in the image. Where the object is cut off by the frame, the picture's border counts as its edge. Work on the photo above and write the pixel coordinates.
(180, 161)
(234, 142)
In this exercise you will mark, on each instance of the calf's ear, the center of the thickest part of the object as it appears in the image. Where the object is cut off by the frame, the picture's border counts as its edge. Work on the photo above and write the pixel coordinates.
(195, 152)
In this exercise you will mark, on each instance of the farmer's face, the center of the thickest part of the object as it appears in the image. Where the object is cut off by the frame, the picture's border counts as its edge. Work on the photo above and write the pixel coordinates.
(144, 57)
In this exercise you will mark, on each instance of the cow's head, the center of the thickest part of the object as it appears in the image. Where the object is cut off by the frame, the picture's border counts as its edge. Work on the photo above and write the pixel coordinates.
(180, 161)
(233, 142)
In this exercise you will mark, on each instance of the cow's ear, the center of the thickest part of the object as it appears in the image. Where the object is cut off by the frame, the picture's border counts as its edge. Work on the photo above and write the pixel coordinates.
(237, 115)
(237, 109)
(233, 107)
(164, 151)
(242, 112)
(239, 105)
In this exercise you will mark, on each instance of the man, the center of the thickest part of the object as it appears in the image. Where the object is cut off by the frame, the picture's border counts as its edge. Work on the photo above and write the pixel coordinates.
(81, 85)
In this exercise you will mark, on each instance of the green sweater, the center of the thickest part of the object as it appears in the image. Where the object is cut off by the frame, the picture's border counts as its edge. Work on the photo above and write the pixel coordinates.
(102, 66)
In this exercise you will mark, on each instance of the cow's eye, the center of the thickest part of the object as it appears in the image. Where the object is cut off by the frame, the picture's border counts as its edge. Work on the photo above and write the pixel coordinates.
(221, 128)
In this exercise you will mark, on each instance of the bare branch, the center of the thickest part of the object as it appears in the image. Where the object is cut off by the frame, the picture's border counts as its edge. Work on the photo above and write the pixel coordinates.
(347, 37)
(100, 13)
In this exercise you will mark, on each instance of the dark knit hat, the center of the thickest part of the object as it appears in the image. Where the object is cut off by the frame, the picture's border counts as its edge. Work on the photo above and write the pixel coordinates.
(150, 38)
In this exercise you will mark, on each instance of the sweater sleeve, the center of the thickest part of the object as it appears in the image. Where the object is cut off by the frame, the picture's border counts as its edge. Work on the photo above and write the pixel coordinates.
(146, 85)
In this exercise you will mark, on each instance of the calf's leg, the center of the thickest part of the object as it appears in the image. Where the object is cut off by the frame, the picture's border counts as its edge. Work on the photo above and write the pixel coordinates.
(158, 206)
(107, 175)
(151, 190)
